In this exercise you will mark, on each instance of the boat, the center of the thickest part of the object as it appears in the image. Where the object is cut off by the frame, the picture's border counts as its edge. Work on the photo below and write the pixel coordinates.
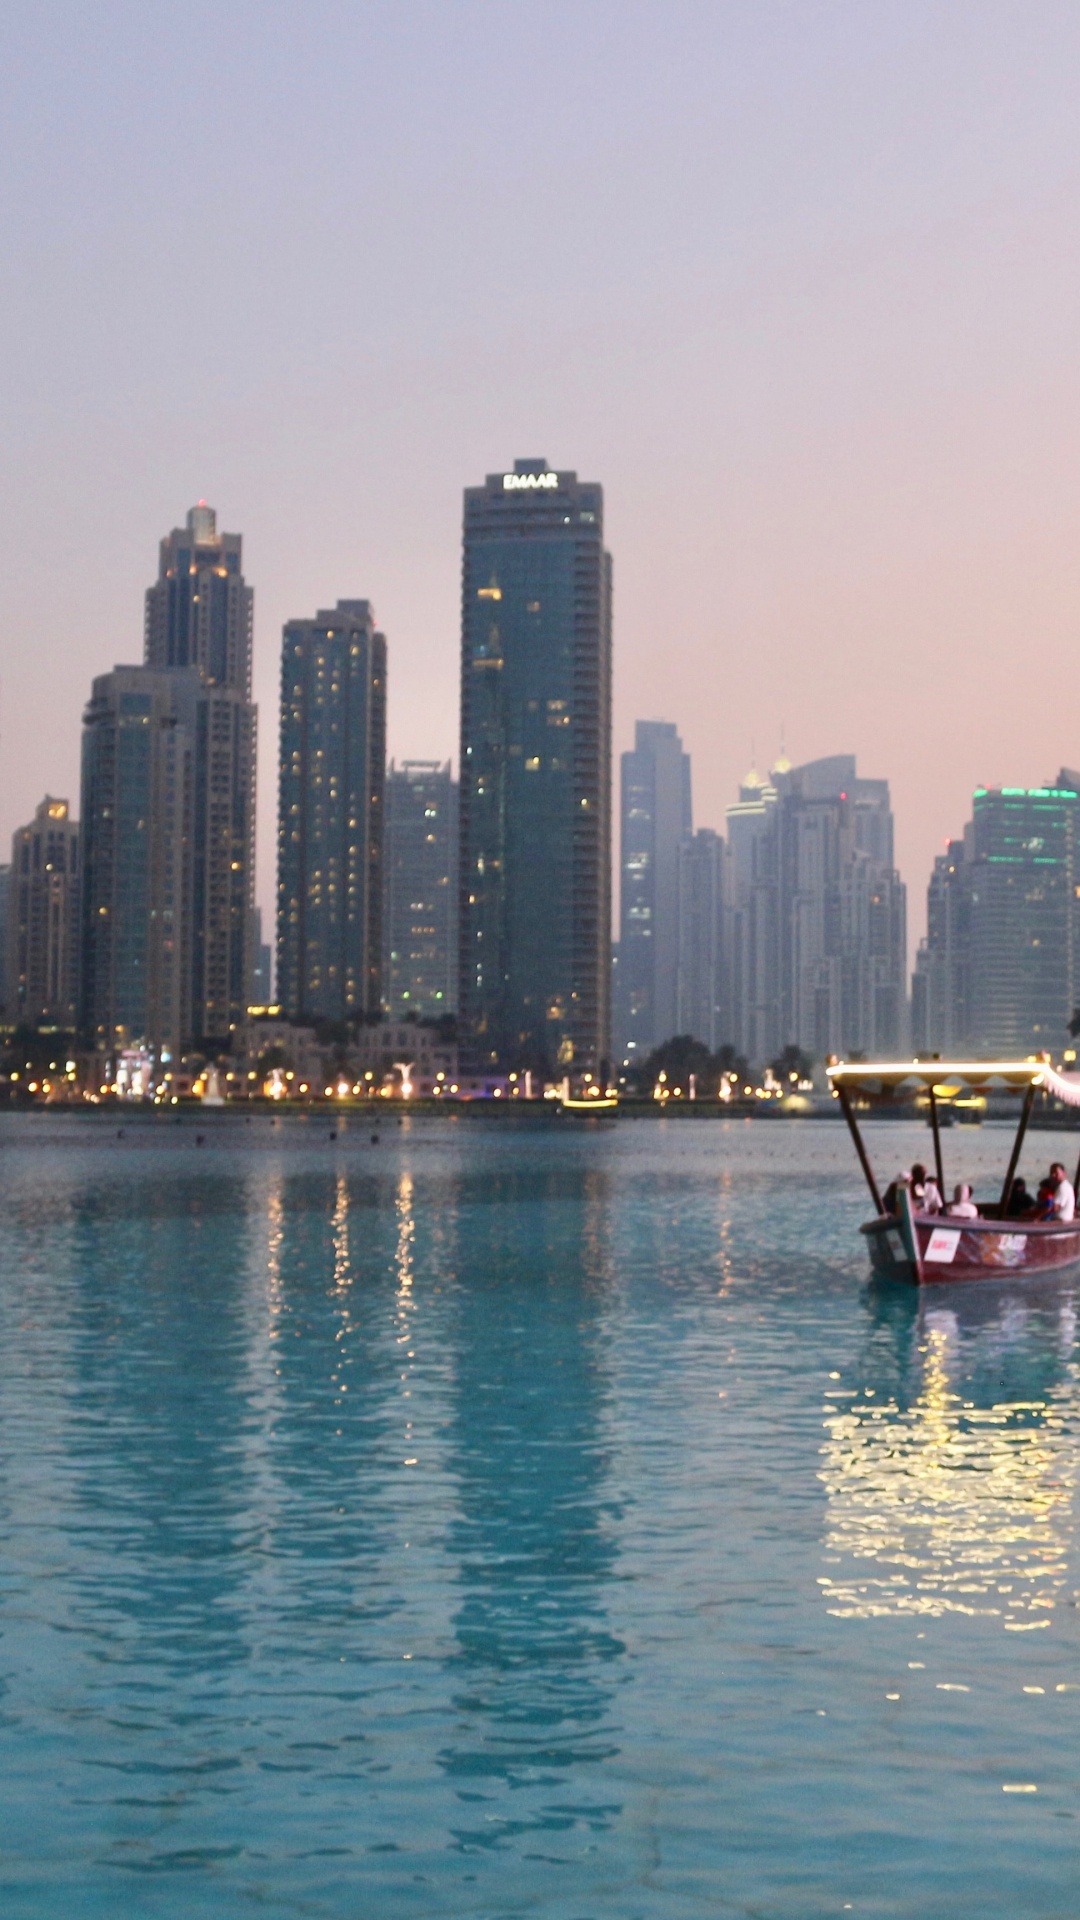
(927, 1248)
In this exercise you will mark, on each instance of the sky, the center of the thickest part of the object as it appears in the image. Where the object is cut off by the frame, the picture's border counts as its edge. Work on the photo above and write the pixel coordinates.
(799, 284)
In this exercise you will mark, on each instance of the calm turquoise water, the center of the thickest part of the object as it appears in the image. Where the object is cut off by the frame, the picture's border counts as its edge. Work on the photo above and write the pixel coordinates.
(503, 1523)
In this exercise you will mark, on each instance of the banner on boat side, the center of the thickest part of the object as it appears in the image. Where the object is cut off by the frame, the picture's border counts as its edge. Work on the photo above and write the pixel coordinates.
(942, 1244)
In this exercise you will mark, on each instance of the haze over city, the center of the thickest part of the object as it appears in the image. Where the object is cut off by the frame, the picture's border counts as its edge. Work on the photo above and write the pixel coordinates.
(798, 286)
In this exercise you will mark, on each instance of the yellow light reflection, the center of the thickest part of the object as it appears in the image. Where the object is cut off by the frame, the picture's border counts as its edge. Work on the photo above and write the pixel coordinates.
(945, 1508)
(405, 1238)
(275, 1224)
(339, 1229)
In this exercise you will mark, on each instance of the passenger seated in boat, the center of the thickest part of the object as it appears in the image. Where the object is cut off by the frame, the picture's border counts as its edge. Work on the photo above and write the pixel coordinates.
(891, 1202)
(1020, 1201)
(1044, 1199)
(925, 1196)
(963, 1206)
(1060, 1201)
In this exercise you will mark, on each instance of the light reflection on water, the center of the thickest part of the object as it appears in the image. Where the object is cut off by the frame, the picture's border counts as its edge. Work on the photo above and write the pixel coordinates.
(951, 1504)
(520, 1523)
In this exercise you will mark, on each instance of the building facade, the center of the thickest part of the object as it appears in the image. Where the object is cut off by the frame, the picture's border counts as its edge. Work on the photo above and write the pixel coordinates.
(199, 617)
(420, 909)
(535, 769)
(999, 970)
(752, 919)
(817, 920)
(139, 770)
(656, 818)
(330, 814)
(41, 974)
(702, 998)
(6, 1011)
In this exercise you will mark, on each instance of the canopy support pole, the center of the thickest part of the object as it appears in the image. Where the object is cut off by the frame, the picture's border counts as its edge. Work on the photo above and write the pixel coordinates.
(939, 1169)
(1006, 1191)
(845, 1102)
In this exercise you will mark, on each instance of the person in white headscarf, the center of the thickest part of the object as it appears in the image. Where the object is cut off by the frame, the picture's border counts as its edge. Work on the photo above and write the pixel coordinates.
(963, 1206)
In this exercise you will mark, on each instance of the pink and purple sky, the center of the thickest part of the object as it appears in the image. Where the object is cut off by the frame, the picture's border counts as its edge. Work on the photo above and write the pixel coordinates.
(800, 284)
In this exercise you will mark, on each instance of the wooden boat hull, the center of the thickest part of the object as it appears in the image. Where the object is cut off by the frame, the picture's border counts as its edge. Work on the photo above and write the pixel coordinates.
(929, 1249)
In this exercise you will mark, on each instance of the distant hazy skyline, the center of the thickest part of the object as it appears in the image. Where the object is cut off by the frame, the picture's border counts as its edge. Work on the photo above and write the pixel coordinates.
(798, 284)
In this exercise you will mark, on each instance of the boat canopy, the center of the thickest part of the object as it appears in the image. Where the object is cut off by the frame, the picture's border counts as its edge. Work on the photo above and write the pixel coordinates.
(1016, 1075)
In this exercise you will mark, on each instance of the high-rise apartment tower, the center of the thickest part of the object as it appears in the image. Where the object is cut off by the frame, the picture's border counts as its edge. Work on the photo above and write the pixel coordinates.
(420, 915)
(656, 819)
(139, 758)
(42, 968)
(330, 814)
(999, 970)
(199, 615)
(535, 801)
(816, 915)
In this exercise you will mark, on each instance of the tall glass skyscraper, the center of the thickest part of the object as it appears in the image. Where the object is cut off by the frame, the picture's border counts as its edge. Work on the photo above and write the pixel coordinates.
(330, 814)
(702, 1006)
(999, 971)
(535, 799)
(138, 768)
(656, 819)
(199, 614)
(43, 955)
(815, 915)
(420, 915)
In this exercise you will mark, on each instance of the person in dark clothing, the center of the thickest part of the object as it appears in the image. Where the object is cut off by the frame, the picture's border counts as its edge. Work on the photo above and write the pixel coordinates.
(925, 1197)
(1020, 1201)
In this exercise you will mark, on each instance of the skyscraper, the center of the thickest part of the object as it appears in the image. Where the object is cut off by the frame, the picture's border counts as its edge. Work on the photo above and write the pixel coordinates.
(199, 615)
(535, 802)
(752, 918)
(139, 760)
(43, 919)
(702, 1003)
(999, 971)
(941, 983)
(817, 915)
(420, 917)
(656, 819)
(6, 1011)
(330, 813)
(843, 958)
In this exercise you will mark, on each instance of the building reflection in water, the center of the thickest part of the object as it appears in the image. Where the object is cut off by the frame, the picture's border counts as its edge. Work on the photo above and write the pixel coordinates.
(160, 1453)
(534, 1532)
(950, 1467)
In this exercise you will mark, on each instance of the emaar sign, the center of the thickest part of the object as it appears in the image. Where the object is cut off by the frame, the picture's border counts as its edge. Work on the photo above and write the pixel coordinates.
(528, 482)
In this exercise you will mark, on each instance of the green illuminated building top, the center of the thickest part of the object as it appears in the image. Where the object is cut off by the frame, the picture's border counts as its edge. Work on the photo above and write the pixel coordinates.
(1000, 969)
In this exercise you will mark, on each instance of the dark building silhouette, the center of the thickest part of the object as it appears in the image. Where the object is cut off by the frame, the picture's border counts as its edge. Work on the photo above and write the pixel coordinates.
(330, 813)
(535, 803)
(5, 909)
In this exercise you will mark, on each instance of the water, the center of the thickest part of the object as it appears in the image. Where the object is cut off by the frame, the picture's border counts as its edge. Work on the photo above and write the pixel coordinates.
(496, 1522)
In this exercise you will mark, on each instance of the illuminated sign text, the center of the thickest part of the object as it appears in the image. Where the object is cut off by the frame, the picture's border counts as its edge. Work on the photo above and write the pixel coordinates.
(527, 482)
